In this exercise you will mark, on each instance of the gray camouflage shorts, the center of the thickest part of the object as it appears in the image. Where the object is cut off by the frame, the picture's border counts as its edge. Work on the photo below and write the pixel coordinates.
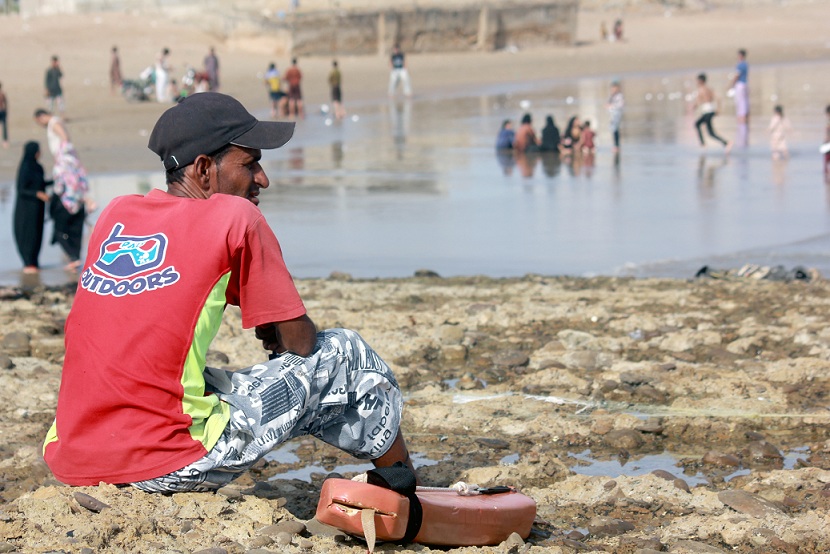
(343, 393)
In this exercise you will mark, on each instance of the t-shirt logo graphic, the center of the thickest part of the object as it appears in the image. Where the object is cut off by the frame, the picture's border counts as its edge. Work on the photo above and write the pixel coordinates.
(128, 265)
(124, 256)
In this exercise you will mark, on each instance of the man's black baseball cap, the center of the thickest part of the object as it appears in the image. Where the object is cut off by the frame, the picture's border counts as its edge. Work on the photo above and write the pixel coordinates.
(205, 122)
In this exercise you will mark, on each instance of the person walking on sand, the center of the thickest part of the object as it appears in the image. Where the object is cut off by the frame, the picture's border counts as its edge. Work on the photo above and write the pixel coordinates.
(335, 83)
(293, 76)
(211, 64)
(52, 85)
(740, 89)
(615, 106)
(825, 148)
(779, 128)
(278, 98)
(706, 102)
(4, 107)
(399, 75)
(116, 79)
(162, 70)
(30, 207)
(160, 419)
(67, 205)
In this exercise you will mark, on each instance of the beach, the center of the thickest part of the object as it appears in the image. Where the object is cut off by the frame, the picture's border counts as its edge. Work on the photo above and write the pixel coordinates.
(642, 415)
(111, 134)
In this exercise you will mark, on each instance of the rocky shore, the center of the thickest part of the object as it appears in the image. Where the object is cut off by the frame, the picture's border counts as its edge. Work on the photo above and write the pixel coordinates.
(710, 395)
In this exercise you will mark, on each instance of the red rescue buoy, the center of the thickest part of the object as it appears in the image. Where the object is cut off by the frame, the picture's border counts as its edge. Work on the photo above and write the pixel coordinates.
(449, 518)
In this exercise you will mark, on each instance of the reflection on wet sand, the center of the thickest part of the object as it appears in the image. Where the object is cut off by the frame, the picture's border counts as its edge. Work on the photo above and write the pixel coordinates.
(413, 185)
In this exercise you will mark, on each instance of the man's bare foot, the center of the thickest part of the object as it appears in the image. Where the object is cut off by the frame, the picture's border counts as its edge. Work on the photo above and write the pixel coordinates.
(729, 147)
(30, 270)
(73, 266)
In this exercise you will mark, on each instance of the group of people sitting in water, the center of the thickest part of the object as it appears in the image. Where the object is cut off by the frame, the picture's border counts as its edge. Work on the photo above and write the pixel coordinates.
(578, 137)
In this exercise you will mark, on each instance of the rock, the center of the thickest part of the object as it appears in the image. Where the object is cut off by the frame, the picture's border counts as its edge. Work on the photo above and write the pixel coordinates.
(663, 474)
(468, 381)
(16, 343)
(749, 504)
(305, 544)
(608, 385)
(513, 541)
(682, 485)
(319, 529)
(650, 426)
(283, 539)
(230, 493)
(290, 526)
(609, 527)
(634, 378)
(497, 444)
(6, 362)
(694, 547)
(588, 360)
(608, 485)
(212, 550)
(261, 541)
(510, 358)
(426, 273)
(686, 340)
(715, 458)
(7, 547)
(450, 334)
(454, 353)
(762, 451)
(577, 340)
(575, 535)
(90, 503)
(574, 545)
(627, 439)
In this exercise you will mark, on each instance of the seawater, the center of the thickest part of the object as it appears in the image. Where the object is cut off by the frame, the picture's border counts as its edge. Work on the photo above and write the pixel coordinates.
(407, 185)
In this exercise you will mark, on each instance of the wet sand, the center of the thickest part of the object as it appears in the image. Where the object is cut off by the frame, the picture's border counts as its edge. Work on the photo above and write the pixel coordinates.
(508, 381)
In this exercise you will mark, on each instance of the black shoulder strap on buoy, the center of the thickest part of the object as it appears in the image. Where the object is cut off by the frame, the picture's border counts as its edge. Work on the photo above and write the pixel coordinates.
(399, 478)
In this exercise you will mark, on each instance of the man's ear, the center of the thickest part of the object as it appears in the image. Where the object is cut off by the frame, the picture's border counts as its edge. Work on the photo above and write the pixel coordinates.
(202, 171)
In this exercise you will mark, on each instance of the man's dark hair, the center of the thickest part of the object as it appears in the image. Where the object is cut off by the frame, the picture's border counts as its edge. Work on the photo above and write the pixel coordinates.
(526, 118)
(701, 77)
(54, 58)
(177, 175)
(40, 111)
(742, 52)
(293, 61)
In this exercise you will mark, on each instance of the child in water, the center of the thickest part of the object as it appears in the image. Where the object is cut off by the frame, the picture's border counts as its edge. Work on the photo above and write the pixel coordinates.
(587, 138)
(779, 127)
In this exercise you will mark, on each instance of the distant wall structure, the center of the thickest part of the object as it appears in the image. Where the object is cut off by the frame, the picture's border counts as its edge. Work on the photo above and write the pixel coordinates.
(479, 26)
(429, 30)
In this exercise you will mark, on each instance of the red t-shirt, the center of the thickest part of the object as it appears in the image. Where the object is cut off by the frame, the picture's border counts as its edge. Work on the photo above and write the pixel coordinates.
(159, 272)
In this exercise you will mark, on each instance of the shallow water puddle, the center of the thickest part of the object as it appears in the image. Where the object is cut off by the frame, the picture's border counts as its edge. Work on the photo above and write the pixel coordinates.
(666, 461)
(286, 455)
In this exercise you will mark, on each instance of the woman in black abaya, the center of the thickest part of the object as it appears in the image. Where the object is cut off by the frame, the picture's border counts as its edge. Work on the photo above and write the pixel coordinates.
(29, 207)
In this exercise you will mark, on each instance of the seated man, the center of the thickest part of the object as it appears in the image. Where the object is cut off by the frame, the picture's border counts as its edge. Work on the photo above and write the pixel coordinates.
(137, 404)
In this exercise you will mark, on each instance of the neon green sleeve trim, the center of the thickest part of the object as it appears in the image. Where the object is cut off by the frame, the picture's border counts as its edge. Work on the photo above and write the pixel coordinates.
(210, 415)
(51, 436)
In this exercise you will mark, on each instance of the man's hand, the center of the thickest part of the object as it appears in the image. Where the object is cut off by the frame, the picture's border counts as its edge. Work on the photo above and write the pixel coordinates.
(297, 335)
